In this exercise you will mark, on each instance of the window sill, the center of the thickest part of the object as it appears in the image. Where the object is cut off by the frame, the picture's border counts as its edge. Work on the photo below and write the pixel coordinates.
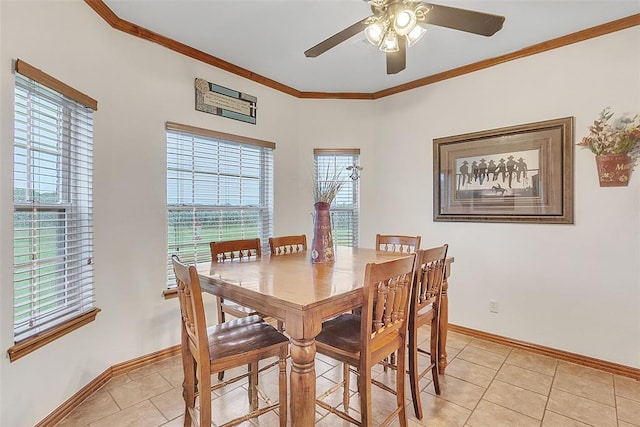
(33, 343)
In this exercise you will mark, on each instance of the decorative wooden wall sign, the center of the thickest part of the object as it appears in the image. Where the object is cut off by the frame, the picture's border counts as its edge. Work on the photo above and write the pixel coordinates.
(221, 101)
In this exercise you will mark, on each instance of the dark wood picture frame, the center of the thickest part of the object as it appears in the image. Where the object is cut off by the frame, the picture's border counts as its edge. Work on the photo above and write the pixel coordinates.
(520, 173)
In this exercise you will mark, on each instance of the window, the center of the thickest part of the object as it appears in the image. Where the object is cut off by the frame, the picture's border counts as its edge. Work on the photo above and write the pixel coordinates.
(53, 209)
(344, 209)
(219, 187)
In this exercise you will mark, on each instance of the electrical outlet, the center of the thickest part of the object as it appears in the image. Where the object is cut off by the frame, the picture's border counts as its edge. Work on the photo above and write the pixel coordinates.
(493, 306)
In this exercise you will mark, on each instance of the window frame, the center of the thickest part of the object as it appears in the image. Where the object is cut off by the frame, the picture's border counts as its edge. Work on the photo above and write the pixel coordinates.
(260, 154)
(348, 157)
(50, 327)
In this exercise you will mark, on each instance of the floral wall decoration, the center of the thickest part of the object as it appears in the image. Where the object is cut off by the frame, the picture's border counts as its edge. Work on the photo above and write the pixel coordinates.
(616, 145)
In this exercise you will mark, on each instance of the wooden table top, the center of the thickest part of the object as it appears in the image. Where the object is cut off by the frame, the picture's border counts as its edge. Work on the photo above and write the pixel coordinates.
(293, 279)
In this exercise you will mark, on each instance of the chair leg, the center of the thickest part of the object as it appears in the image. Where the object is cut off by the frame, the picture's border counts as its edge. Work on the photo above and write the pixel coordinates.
(366, 410)
(204, 388)
(389, 360)
(346, 375)
(400, 375)
(189, 382)
(253, 386)
(436, 377)
(413, 372)
(433, 350)
(282, 387)
(221, 319)
(221, 316)
(188, 388)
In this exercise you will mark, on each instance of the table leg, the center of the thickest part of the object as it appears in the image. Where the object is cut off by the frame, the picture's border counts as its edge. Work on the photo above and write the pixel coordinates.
(444, 321)
(302, 380)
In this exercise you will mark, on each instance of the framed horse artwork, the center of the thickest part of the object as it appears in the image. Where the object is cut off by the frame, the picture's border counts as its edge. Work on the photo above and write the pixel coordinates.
(520, 173)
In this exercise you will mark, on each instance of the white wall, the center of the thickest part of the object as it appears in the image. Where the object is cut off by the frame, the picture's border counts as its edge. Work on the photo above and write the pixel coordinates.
(575, 287)
(139, 86)
(332, 124)
(570, 287)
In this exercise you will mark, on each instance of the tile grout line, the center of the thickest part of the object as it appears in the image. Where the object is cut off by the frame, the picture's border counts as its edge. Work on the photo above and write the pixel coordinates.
(488, 386)
(546, 404)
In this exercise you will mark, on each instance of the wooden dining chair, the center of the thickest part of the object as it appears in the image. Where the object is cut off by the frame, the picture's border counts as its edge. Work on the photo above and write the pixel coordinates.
(402, 244)
(364, 340)
(284, 245)
(425, 310)
(230, 251)
(397, 243)
(287, 245)
(233, 251)
(207, 350)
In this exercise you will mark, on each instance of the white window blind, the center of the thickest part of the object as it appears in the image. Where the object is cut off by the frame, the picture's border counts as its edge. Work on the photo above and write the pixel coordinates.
(53, 208)
(219, 187)
(345, 207)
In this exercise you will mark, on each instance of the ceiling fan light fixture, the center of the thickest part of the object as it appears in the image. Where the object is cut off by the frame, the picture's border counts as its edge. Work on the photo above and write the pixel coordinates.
(374, 33)
(404, 21)
(396, 24)
(390, 42)
(415, 35)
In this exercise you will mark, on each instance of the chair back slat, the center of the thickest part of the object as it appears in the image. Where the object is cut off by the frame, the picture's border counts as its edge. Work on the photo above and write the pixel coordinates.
(379, 308)
(430, 265)
(387, 285)
(397, 243)
(240, 250)
(390, 313)
(285, 245)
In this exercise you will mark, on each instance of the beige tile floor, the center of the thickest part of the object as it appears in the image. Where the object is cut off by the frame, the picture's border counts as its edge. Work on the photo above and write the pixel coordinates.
(485, 385)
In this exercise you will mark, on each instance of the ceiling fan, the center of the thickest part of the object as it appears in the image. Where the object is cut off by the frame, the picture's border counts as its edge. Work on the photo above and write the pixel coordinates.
(396, 24)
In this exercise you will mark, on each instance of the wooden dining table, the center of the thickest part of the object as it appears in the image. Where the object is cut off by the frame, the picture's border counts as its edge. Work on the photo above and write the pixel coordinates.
(302, 294)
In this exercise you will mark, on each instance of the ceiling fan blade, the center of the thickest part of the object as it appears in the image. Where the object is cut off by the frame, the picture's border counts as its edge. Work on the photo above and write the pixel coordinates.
(484, 24)
(336, 39)
(397, 61)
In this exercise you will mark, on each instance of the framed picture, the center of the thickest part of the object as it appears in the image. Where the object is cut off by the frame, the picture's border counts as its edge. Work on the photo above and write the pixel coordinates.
(520, 173)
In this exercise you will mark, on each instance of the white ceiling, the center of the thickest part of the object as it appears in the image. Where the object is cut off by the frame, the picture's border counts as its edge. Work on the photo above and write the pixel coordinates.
(268, 37)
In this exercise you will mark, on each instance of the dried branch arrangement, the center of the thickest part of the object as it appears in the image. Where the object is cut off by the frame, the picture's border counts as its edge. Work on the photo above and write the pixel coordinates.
(325, 190)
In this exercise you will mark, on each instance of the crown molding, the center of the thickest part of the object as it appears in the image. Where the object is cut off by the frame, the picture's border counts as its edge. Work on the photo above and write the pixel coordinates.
(135, 30)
